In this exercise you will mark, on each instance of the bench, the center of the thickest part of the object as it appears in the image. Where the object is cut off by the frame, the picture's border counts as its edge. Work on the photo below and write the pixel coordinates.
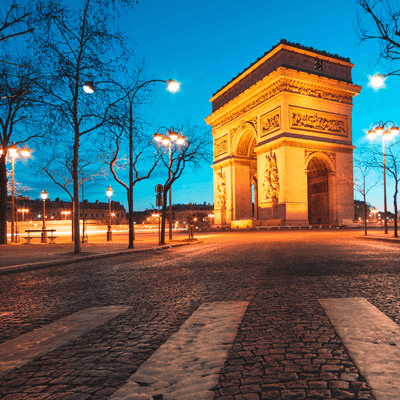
(28, 238)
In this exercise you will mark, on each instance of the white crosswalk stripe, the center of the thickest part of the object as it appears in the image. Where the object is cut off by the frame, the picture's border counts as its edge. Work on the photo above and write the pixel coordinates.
(16, 352)
(187, 366)
(373, 341)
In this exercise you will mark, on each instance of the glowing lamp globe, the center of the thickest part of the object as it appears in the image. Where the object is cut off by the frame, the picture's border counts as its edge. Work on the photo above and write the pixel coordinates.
(377, 81)
(180, 140)
(173, 86)
(109, 191)
(44, 194)
(89, 87)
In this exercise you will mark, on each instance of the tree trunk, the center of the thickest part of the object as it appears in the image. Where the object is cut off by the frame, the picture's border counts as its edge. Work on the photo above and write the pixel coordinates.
(75, 177)
(395, 210)
(365, 216)
(131, 226)
(164, 212)
(130, 184)
(3, 199)
(72, 220)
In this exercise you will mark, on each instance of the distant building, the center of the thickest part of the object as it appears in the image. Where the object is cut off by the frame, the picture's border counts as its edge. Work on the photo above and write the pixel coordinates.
(59, 209)
(374, 216)
(359, 210)
(181, 215)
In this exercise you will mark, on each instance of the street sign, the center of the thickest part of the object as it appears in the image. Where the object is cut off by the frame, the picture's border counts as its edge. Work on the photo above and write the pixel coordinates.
(159, 200)
(159, 188)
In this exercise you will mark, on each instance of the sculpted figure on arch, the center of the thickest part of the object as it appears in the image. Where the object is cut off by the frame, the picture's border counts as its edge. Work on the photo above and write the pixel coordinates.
(271, 182)
(221, 188)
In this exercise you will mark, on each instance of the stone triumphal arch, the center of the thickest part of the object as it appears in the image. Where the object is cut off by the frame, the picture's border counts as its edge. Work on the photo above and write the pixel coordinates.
(282, 135)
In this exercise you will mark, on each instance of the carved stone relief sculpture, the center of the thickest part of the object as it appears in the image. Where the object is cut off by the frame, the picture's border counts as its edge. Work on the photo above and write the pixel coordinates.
(317, 121)
(270, 122)
(271, 177)
(221, 190)
(221, 146)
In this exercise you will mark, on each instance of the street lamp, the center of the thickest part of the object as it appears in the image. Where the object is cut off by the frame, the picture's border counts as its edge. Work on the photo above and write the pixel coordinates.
(377, 81)
(44, 195)
(23, 211)
(14, 152)
(109, 193)
(386, 130)
(170, 136)
(65, 213)
(89, 87)
(172, 86)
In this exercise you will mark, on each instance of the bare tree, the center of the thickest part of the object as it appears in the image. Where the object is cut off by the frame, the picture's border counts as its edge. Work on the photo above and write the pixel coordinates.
(78, 46)
(18, 117)
(116, 161)
(59, 169)
(15, 96)
(14, 21)
(385, 18)
(362, 180)
(195, 151)
(392, 164)
(134, 92)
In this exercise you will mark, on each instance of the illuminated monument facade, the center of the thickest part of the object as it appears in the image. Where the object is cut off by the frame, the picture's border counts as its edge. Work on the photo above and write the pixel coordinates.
(282, 139)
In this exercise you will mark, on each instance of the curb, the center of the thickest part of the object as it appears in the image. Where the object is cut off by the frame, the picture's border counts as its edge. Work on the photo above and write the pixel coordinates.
(381, 239)
(12, 269)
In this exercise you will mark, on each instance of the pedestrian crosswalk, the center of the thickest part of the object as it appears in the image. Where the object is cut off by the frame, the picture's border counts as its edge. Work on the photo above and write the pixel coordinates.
(188, 364)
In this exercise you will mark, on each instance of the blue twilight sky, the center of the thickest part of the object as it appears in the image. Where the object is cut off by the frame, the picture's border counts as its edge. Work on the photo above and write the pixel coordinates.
(204, 44)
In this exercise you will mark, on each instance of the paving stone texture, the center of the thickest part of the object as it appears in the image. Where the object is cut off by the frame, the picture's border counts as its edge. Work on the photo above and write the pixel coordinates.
(285, 347)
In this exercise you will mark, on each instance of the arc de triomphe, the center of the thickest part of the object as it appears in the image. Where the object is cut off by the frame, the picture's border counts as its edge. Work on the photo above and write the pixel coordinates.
(282, 138)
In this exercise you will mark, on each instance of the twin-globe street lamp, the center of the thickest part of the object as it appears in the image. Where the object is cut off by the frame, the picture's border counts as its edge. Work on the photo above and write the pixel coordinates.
(109, 193)
(386, 130)
(172, 86)
(14, 152)
(170, 137)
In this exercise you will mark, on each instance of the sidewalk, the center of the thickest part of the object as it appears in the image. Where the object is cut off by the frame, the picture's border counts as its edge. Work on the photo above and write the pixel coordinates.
(21, 257)
(380, 235)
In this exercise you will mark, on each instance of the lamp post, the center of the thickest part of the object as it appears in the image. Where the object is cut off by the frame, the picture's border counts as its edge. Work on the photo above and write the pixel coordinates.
(386, 130)
(109, 193)
(170, 137)
(14, 152)
(173, 86)
(44, 195)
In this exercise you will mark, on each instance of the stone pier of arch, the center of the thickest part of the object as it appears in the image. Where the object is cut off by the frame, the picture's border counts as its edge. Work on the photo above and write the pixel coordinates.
(282, 140)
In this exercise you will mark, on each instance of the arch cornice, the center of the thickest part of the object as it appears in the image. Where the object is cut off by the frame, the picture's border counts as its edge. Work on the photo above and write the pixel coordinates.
(283, 81)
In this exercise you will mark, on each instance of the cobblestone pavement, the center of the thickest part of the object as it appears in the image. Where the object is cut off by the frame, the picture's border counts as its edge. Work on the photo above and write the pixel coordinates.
(285, 347)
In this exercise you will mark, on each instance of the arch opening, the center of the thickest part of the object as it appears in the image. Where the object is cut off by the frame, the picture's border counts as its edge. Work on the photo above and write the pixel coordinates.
(245, 183)
(254, 198)
(318, 191)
